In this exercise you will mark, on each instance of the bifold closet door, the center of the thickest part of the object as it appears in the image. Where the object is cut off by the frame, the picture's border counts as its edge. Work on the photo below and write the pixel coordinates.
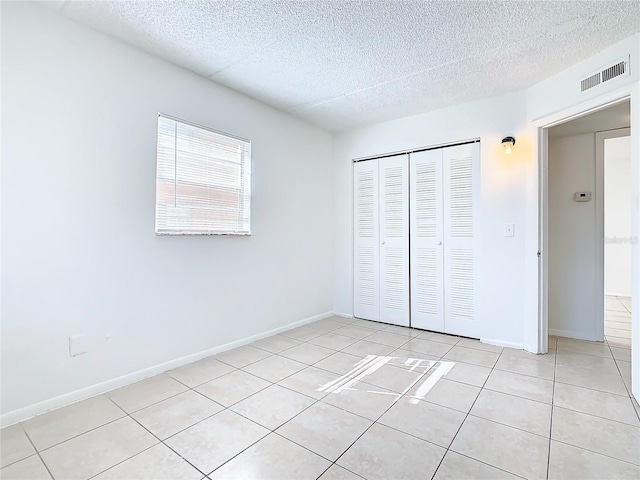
(427, 225)
(366, 241)
(461, 188)
(381, 240)
(394, 239)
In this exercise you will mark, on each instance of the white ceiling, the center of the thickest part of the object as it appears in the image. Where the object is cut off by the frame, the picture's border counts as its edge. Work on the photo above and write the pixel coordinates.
(345, 64)
(610, 118)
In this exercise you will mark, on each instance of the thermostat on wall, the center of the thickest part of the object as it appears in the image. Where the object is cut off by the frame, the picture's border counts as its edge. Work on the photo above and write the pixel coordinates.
(582, 196)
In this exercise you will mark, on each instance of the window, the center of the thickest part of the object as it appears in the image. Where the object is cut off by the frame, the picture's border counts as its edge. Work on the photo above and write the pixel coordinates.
(203, 181)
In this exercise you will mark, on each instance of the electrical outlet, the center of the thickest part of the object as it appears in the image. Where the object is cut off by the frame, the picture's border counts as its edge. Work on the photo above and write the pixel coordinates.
(78, 344)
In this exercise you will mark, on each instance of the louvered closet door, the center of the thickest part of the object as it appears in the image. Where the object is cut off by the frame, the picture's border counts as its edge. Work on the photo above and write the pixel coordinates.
(394, 239)
(366, 248)
(426, 211)
(461, 172)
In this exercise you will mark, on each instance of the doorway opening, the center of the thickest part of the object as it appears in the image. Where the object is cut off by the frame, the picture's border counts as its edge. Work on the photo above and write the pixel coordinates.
(587, 214)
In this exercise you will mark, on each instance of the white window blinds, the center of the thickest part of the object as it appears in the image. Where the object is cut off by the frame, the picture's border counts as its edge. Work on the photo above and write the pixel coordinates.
(203, 181)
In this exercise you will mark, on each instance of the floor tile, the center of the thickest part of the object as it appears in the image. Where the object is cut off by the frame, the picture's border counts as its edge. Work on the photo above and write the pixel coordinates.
(393, 378)
(478, 345)
(156, 463)
(30, 468)
(458, 467)
(339, 363)
(424, 420)
(428, 347)
(580, 346)
(474, 357)
(214, 441)
(309, 381)
(404, 355)
(450, 394)
(623, 354)
(176, 413)
(199, 372)
(599, 435)
(95, 451)
(603, 379)
(626, 301)
(274, 368)
(276, 343)
(371, 325)
(612, 303)
(404, 331)
(526, 366)
(616, 332)
(388, 338)
(579, 360)
(273, 406)
(243, 356)
(367, 401)
(619, 342)
(307, 353)
(325, 429)
(521, 385)
(470, 374)
(363, 348)
(14, 445)
(354, 331)
(336, 472)
(439, 337)
(384, 453)
(594, 402)
(326, 325)
(51, 428)
(302, 334)
(512, 352)
(507, 448)
(273, 458)
(570, 463)
(333, 341)
(618, 324)
(345, 320)
(517, 412)
(146, 392)
(232, 387)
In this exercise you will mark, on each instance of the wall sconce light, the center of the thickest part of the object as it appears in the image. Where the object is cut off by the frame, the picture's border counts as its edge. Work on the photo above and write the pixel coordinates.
(508, 143)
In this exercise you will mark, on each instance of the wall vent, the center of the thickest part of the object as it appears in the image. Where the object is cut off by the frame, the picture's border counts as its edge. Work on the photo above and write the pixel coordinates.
(605, 74)
(590, 82)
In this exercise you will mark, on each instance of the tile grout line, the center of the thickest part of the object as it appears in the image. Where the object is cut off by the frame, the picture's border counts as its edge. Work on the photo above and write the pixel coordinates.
(553, 401)
(629, 394)
(36, 450)
(465, 419)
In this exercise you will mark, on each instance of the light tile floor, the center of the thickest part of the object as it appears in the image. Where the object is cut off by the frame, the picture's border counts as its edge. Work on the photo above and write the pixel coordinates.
(258, 412)
(617, 320)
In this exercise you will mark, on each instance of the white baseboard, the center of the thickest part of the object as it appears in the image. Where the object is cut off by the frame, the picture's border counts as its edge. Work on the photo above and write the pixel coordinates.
(572, 334)
(39, 408)
(343, 315)
(502, 343)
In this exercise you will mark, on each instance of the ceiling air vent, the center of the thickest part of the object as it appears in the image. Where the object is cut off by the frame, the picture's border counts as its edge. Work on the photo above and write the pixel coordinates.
(605, 74)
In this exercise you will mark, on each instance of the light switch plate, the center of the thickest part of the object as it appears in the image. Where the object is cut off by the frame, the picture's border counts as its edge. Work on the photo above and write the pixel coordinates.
(509, 230)
(78, 344)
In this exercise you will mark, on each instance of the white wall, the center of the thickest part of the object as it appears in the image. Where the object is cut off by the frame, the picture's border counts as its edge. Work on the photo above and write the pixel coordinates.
(573, 265)
(617, 216)
(79, 113)
(502, 184)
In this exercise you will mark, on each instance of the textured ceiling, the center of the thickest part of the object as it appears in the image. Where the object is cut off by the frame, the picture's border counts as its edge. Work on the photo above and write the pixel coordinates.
(345, 64)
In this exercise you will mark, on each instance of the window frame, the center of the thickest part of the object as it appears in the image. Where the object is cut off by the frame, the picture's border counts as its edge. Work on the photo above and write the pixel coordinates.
(244, 192)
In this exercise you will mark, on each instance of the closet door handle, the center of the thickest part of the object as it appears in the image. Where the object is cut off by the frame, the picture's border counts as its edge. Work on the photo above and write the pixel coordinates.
(439, 243)
(382, 242)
